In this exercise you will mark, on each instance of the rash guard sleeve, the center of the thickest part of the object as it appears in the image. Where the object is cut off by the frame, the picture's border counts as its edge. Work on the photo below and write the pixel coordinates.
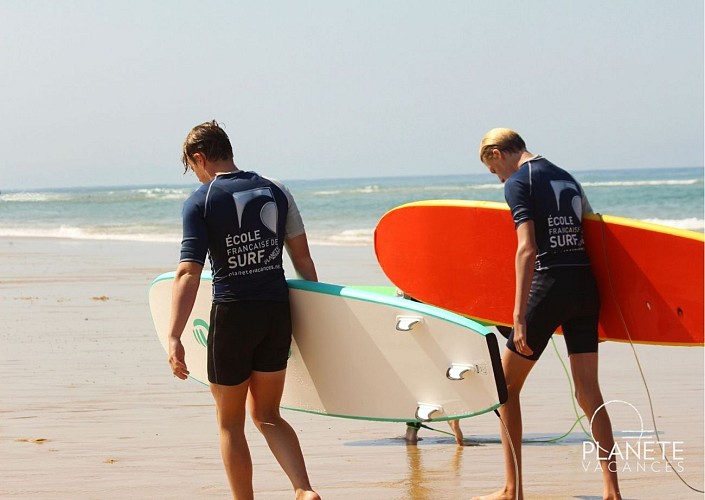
(194, 245)
(294, 221)
(517, 193)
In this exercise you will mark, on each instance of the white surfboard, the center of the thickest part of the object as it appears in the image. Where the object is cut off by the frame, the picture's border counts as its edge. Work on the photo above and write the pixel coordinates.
(365, 355)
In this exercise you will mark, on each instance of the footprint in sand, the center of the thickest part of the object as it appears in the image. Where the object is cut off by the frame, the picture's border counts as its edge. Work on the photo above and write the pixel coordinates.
(33, 440)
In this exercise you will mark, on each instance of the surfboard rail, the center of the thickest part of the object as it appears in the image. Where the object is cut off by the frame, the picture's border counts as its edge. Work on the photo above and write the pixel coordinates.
(458, 254)
(354, 356)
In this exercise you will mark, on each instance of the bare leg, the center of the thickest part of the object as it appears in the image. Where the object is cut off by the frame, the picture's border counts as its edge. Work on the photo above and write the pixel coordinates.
(230, 406)
(589, 396)
(412, 433)
(266, 393)
(516, 369)
(457, 431)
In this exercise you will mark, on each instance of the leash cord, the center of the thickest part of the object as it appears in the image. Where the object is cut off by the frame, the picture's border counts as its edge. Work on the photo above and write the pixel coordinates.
(636, 357)
(517, 479)
(578, 420)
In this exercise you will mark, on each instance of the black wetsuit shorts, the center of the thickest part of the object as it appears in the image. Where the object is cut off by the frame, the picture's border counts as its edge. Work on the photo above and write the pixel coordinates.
(246, 336)
(567, 297)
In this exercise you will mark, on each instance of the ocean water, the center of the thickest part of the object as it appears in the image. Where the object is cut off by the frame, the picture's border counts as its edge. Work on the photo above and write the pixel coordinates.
(335, 211)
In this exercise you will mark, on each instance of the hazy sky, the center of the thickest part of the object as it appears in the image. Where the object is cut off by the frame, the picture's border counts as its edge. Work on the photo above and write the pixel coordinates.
(104, 92)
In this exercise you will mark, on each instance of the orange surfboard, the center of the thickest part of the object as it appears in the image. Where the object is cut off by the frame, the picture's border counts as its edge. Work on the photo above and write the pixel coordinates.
(459, 255)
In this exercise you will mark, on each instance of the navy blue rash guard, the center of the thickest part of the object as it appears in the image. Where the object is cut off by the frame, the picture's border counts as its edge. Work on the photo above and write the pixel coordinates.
(548, 195)
(241, 221)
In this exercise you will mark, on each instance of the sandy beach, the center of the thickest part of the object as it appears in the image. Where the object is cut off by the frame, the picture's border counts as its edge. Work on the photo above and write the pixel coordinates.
(90, 409)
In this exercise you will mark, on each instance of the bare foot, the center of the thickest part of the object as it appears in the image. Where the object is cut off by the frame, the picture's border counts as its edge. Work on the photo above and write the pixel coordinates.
(307, 495)
(502, 494)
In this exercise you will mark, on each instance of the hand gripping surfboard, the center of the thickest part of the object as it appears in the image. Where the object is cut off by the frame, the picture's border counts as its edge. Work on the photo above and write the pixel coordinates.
(364, 355)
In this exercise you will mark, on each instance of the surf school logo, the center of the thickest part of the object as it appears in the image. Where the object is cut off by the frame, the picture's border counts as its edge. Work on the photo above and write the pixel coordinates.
(200, 332)
(576, 201)
(268, 211)
(254, 250)
(635, 449)
(564, 229)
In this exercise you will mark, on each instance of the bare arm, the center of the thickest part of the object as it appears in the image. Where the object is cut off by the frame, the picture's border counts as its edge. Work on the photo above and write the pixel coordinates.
(300, 255)
(524, 266)
(183, 296)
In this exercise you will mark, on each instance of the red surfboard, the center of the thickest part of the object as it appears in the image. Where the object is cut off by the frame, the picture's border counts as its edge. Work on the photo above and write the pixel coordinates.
(459, 255)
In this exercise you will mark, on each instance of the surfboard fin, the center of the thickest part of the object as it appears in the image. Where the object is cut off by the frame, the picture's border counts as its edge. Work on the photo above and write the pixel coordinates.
(425, 411)
(457, 372)
(407, 323)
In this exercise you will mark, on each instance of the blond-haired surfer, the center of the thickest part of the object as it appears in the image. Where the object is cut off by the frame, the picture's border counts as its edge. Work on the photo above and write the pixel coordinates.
(554, 287)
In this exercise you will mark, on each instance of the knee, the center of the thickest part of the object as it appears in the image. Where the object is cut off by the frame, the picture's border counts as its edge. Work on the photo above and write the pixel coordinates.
(265, 418)
(513, 391)
(580, 398)
(589, 401)
(231, 426)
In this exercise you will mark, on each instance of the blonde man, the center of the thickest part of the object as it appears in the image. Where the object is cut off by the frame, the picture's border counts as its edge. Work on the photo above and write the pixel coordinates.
(554, 287)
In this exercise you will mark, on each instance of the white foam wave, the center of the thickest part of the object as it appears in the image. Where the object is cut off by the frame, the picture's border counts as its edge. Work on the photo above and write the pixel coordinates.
(349, 237)
(155, 193)
(332, 192)
(367, 190)
(410, 189)
(361, 190)
(658, 182)
(462, 187)
(34, 197)
(77, 233)
(691, 223)
(495, 186)
(164, 193)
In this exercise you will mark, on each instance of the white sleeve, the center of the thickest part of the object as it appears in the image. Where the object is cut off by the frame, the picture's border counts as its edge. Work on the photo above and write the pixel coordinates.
(294, 222)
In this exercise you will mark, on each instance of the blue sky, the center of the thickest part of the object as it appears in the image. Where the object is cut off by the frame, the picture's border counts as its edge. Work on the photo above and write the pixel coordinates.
(103, 93)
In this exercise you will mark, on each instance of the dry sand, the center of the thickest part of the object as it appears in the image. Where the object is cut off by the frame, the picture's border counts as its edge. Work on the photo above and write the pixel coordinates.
(90, 410)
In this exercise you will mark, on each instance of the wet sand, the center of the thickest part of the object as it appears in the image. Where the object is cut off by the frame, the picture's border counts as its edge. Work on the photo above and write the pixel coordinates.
(90, 409)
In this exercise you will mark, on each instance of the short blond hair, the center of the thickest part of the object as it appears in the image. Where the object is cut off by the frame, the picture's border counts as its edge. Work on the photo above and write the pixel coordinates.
(504, 139)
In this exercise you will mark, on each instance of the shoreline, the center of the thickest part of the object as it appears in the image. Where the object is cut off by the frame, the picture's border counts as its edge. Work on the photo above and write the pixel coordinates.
(91, 410)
